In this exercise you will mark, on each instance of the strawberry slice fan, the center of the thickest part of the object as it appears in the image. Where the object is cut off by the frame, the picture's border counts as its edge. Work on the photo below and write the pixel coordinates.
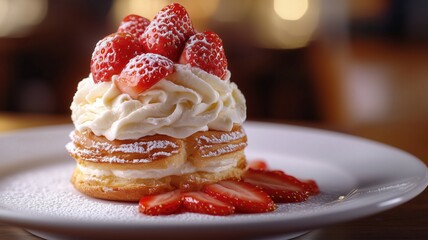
(143, 52)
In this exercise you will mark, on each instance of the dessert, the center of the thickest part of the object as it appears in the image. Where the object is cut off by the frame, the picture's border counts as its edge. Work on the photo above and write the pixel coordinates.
(154, 115)
(159, 121)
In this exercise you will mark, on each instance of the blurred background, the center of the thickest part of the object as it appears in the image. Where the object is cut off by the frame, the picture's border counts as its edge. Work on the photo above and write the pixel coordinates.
(356, 65)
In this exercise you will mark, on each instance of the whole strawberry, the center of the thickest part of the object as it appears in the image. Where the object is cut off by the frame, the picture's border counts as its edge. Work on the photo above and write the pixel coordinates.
(205, 50)
(133, 24)
(168, 32)
(142, 72)
(111, 54)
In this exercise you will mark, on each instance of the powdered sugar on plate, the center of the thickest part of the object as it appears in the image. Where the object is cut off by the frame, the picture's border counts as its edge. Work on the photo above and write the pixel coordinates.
(47, 191)
(356, 177)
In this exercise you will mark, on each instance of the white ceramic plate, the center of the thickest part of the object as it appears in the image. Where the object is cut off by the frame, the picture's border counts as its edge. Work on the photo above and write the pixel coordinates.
(357, 178)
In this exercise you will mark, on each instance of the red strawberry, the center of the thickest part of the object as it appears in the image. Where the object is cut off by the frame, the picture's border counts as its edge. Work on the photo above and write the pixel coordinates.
(243, 196)
(161, 204)
(311, 186)
(280, 186)
(111, 54)
(142, 72)
(200, 202)
(168, 32)
(258, 165)
(133, 24)
(205, 50)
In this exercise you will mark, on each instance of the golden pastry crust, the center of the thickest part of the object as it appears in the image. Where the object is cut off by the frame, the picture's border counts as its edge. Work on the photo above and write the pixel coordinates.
(201, 150)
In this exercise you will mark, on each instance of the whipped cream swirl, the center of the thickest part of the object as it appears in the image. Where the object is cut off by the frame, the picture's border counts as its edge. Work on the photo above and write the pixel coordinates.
(185, 102)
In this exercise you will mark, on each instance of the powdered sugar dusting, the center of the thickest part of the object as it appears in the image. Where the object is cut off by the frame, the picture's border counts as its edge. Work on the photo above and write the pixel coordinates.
(133, 24)
(168, 24)
(198, 39)
(149, 67)
(216, 145)
(135, 147)
(224, 138)
(224, 150)
(93, 152)
(44, 199)
(205, 51)
(85, 153)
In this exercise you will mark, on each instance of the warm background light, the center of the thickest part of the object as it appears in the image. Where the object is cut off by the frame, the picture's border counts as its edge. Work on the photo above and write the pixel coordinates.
(233, 11)
(290, 9)
(200, 11)
(276, 24)
(274, 32)
(18, 17)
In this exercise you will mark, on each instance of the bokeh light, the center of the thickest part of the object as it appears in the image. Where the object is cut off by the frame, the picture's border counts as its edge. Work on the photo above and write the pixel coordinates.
(19, 17)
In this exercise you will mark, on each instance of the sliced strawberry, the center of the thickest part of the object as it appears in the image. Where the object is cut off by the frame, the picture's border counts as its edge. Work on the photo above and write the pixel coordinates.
(200, 202)
(280, 186)
(258, 165)
(243, 196)
(311, 186)
(111, 54)
(168, 32)
(161, 204)
(142, 72)
(205, 50)
(283, 196)
(133, 24)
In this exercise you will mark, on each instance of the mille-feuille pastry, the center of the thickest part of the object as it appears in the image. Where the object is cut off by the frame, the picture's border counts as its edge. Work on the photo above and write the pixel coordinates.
(158, 111)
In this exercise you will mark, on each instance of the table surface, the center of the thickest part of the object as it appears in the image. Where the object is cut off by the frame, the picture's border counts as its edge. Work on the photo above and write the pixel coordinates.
(407, 221)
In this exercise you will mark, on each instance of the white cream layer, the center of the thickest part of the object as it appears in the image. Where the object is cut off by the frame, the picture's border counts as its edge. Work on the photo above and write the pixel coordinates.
(185, 102)
(187, 167)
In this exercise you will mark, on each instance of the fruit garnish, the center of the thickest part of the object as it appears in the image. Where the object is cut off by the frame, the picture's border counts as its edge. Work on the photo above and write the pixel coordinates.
(133, 24)
(111, 54)
(199, 202)
(205, 50)
(245, 197)
(142, 72)
(258, 193)
(168, 32)
(161, 204)
(311, 186)
(280, 186)
(258, 165)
